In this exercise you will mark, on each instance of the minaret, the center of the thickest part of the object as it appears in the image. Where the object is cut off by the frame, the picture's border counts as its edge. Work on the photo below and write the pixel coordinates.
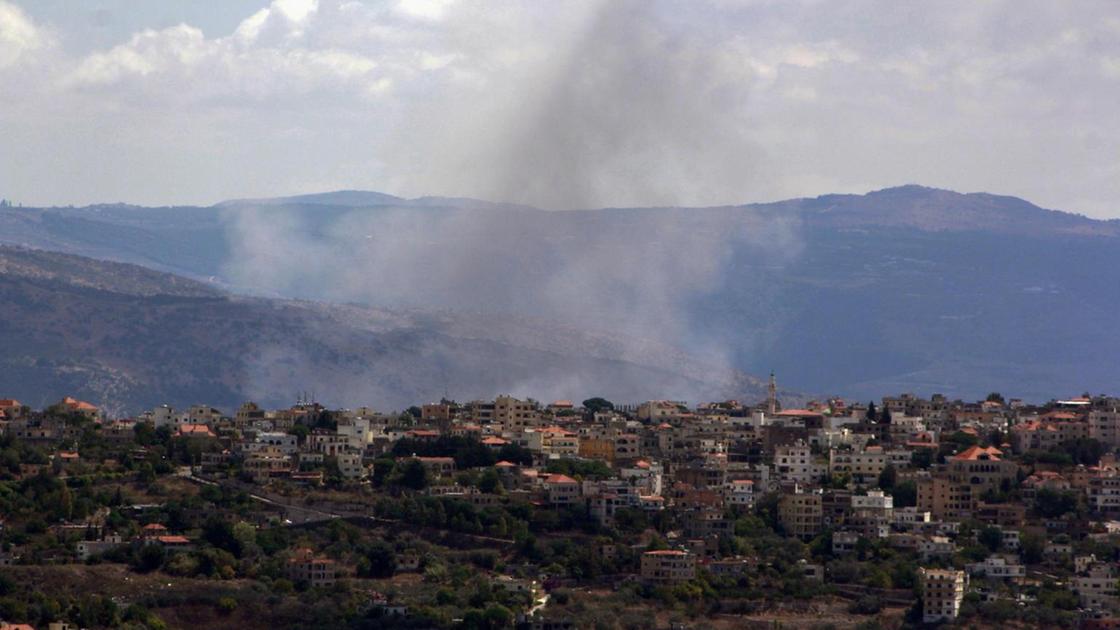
(772, 398)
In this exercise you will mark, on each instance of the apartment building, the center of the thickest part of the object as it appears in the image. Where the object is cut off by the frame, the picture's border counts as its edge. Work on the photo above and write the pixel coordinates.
(942, 593)
(668, 566)
(801, 514)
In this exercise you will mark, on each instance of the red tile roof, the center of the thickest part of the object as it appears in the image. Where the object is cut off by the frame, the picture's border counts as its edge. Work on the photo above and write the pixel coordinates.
(195, 430)
(79, 405)
(174, 540)
(979, 452)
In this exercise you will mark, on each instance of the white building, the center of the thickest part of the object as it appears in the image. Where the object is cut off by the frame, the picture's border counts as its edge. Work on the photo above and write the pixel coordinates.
(795, 463)
(1096, 588)
(740, 493)
(998, 567)
(350, 465)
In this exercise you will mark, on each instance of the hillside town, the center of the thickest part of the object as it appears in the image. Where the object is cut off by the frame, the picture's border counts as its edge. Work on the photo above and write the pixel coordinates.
(901, 512)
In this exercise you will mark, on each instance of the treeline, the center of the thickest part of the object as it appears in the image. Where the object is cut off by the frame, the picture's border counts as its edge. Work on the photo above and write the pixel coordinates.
(467, 452)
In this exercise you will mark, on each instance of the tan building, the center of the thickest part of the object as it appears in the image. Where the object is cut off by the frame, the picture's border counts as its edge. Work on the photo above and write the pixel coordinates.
(942, 593)
(668, 566)
(558, 441)
(513, 414)
(802, 514)
(942, 498)
(597, 448)
(1104, 426)
(970, 474)
(1096, 587)
(562, 489)
(305, 566)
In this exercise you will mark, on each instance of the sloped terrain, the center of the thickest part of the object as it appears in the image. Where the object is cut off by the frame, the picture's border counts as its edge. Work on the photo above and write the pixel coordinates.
(907, 288)
(129, 338)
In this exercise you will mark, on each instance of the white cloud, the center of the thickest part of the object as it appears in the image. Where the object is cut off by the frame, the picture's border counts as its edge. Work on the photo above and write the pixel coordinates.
(425, 9)
(18, 35)
(590, 102)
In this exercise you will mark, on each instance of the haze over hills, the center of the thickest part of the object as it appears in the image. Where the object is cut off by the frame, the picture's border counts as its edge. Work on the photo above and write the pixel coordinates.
(130, 338)
(907, 288)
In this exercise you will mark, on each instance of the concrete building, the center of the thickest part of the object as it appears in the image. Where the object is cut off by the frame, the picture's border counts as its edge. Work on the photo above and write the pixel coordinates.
(998, 568)
(1104, 426)
(305, 566)
(942, 593)
(795, 463)
(668, 566)
(801, 514)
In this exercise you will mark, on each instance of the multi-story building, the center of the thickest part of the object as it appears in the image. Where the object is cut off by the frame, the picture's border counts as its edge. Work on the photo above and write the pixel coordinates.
(942, 498)
(668, 566)
(942, 593)
(981, 468)
(998, 568)
(1096, 587)
(305, 566)
(935, 547)
(794, 462)
(1104, 493)
(740, 493)
(865, 466)
(513, 414)
(350, 465)
(801, 514)
(562, 489)
(1104, 426)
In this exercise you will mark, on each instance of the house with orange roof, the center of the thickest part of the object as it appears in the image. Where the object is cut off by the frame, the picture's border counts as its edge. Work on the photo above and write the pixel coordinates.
(314, 570)
(561, 489)
(81, 407)
(1048, 431)
(740, 493)
(436, 466)
(196, 432)
(10, 409)
(668, 566)
(981, 469)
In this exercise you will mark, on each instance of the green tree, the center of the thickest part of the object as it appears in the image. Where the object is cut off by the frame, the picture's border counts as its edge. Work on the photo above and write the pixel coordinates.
(497, 616)
(597, 404)
(991, 537)
(147, 473)
(888, 477)
(413, 475)
(489, 482)
(905, 494)
(1033, 546)
(149, 558)
(1053, 504)
(381, 560)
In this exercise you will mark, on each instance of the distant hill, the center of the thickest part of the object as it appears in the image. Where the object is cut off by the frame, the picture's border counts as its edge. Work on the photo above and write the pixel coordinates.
(129, 338)
(908, 288)
(347, 198)
(370, 199)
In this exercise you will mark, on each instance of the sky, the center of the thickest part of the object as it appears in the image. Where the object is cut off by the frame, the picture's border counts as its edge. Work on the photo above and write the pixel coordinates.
(558, 104)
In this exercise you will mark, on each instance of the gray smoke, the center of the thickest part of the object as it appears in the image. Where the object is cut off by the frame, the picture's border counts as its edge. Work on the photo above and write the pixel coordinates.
(636, 109)
(631, 108)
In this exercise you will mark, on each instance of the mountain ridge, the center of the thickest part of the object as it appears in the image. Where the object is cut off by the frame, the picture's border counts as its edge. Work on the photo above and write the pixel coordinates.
(841, 294)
